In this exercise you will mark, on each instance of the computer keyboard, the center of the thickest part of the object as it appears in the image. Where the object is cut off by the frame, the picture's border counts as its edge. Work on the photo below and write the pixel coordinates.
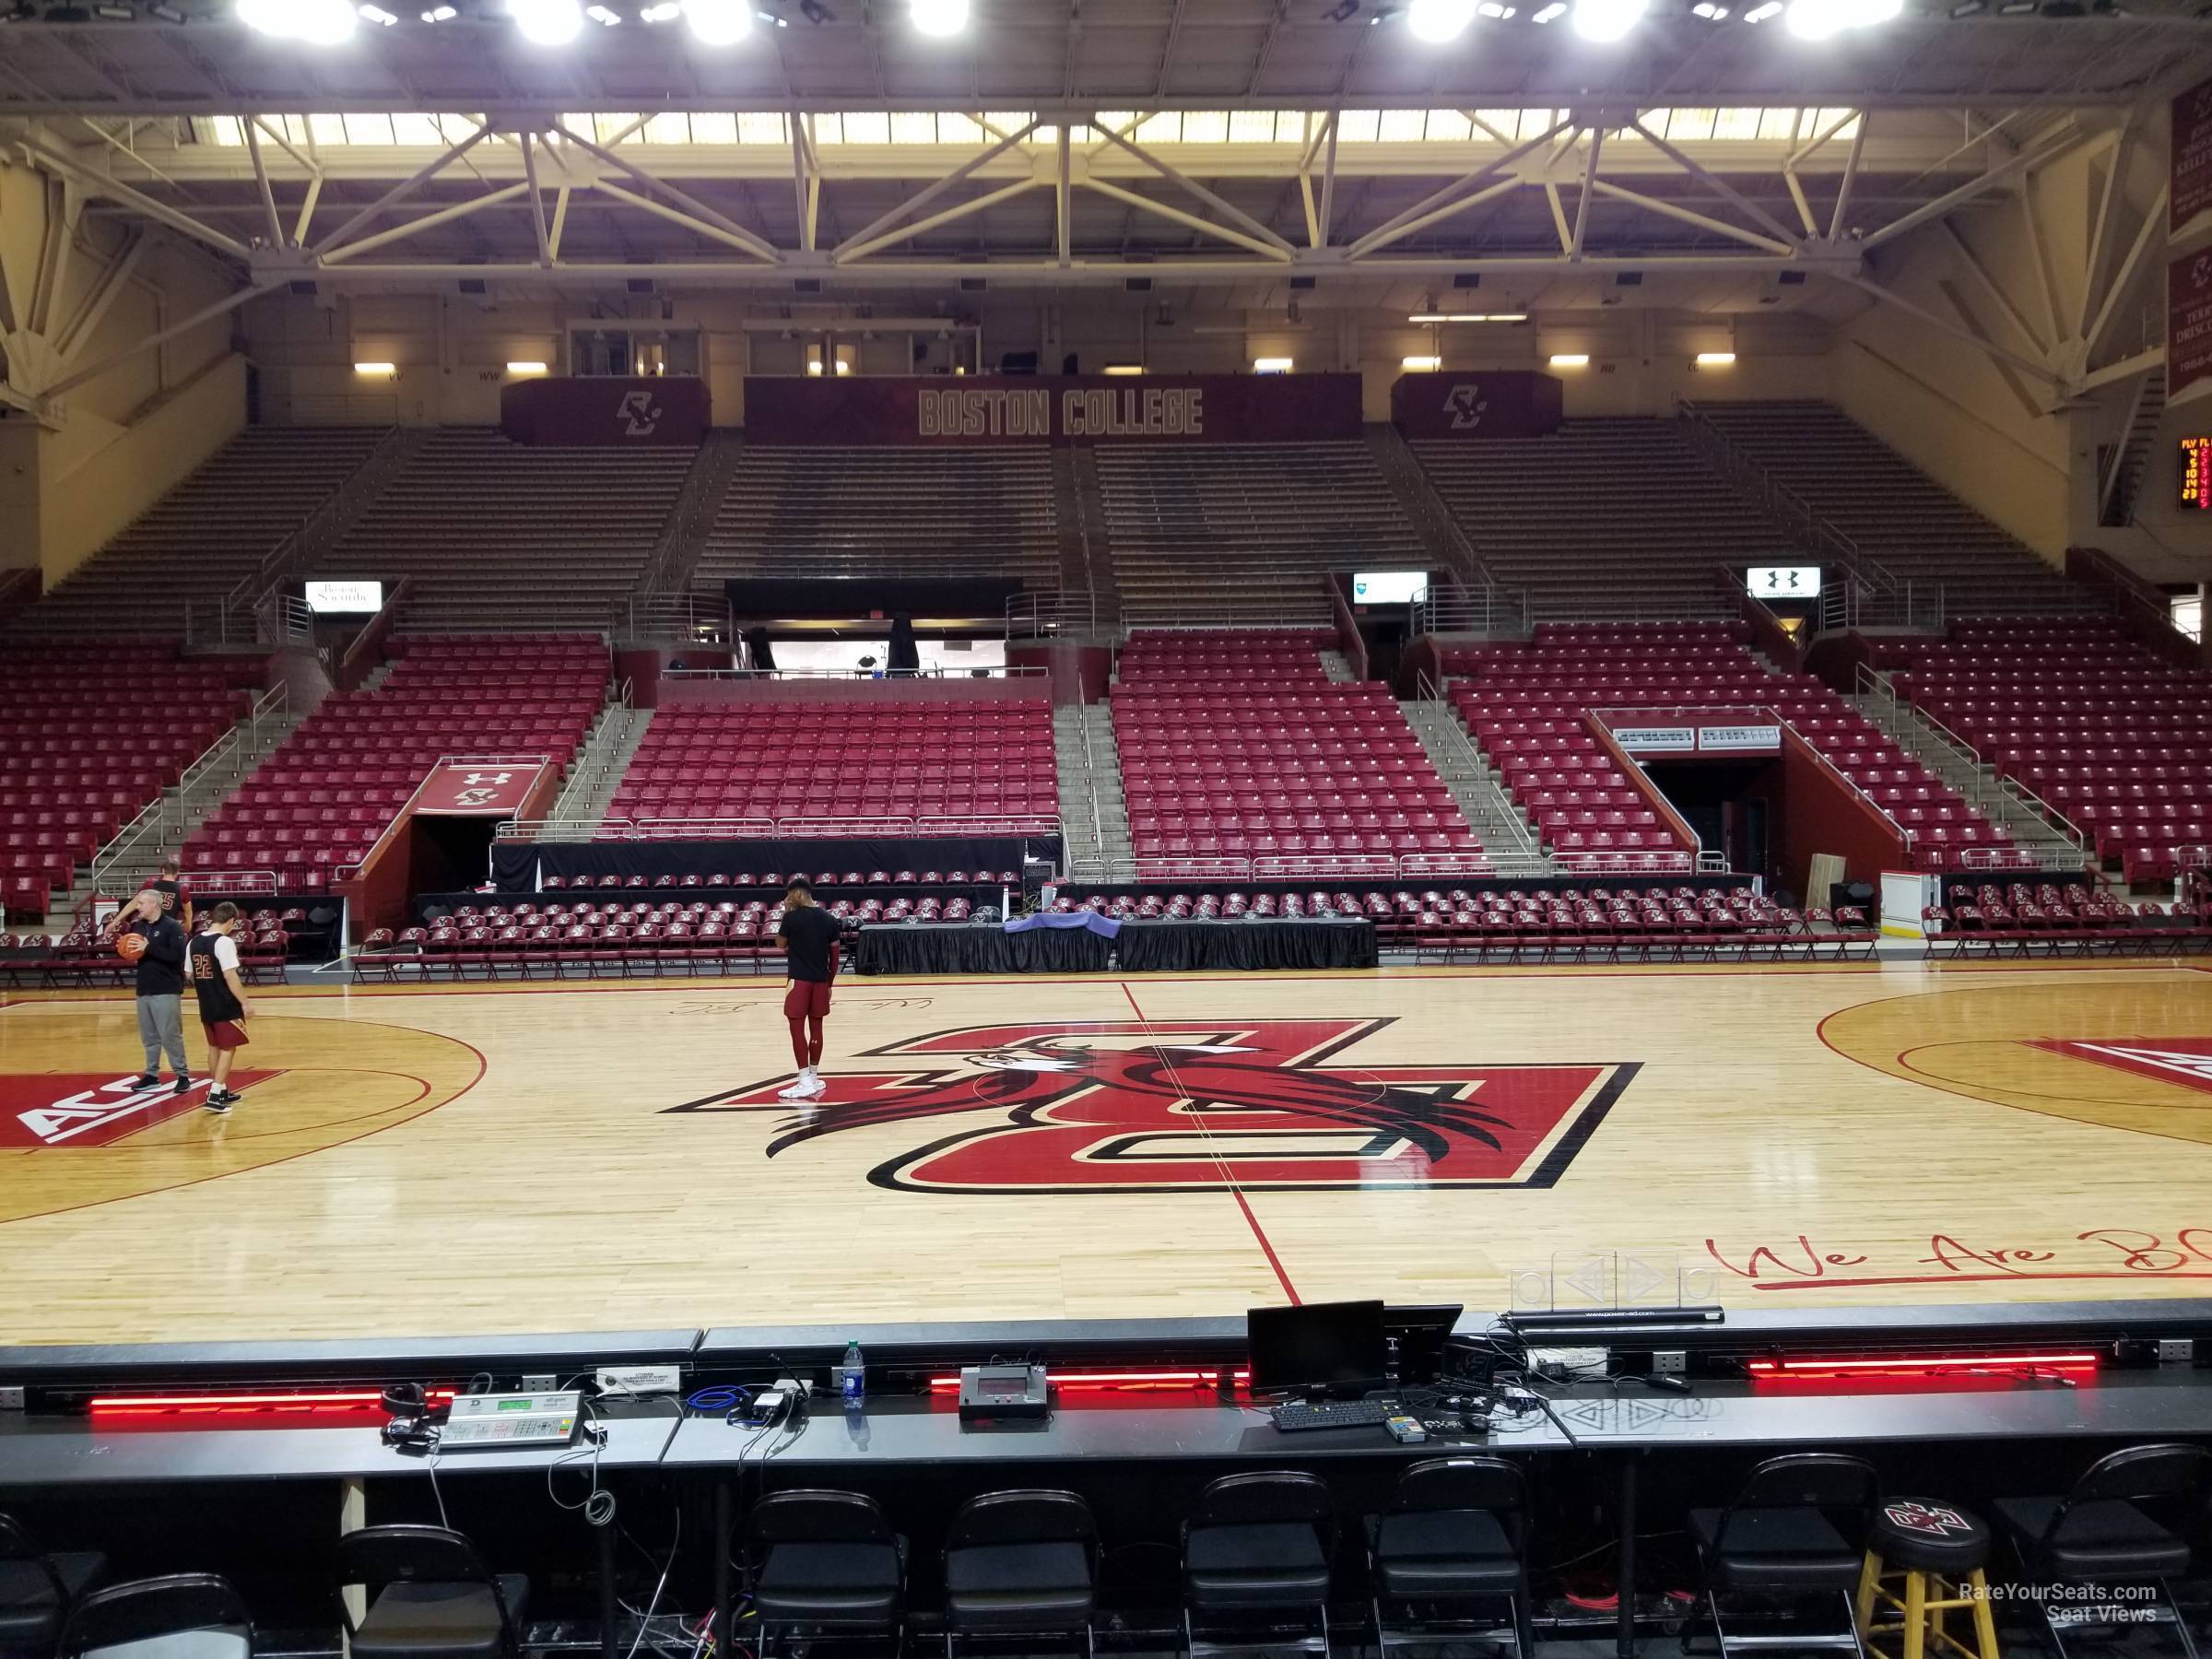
(1298, 1415)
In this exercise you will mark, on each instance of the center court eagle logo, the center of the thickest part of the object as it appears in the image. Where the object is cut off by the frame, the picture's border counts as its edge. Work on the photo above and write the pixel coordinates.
(1143, 1106)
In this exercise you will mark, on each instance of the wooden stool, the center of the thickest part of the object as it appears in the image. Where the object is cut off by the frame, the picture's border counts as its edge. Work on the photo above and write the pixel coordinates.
(1936, 1552)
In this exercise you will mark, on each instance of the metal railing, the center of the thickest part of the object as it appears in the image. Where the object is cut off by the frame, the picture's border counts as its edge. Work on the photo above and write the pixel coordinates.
(1871, 595)
(1040, 615)
(915, 827)
(595, 765)
(744, 675)
(1278, 603)
(1463, 751)
(236, 619)
(1987, 781)
(141, 843)
(692, 517)
(688, 619)
(1409, 866)
(1488, 609)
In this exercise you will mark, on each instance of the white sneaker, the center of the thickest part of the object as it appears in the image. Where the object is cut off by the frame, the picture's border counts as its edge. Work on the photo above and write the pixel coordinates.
(810, 1086)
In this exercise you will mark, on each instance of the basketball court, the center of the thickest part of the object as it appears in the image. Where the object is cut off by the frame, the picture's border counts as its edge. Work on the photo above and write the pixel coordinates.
(475, 1160)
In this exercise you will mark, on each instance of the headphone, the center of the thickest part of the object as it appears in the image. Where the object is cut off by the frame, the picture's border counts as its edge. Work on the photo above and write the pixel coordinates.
(415, 1421)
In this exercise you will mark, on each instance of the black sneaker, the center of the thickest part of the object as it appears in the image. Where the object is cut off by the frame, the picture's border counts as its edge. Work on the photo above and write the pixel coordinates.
(184, 1085)
(146, 1080)
(221, 1104)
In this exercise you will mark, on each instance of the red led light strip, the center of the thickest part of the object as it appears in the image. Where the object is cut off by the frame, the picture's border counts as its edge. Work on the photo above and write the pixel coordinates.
(371, 1400)
(1136, 1380)
(1920, 1366)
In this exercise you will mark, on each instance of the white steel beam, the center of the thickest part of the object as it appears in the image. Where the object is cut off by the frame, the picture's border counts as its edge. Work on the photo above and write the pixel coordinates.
(1229, 210)
(429, 221)
(1328, 181)
(2100, 235)
(676, 215)
(261, 179)
(401, 191)
(2002, 173)
(868, 234)
(1191, 221)
(538, 200)
(1064, 205)
(307, 209)
(1851, 175)
(758, 246)
(2042, 372)
(204, 315)
(2154, 225)
(1424, 212)
(2136, 364)
(1669, 210)
(1715, 182)
(1989, 286)
(851, 253)
(95, 184)
(110, 284)
(1582, 205)
(560, 218)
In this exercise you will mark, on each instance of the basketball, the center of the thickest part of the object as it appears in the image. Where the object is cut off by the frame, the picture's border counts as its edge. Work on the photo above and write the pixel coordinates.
(130, 947)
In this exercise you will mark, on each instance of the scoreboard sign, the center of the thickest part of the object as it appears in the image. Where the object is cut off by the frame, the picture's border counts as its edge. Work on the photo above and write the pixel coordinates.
(2196, 473)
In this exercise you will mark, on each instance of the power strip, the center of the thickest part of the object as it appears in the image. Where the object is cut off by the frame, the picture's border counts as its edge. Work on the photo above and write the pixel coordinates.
(1567, 1364)
(633, 1381)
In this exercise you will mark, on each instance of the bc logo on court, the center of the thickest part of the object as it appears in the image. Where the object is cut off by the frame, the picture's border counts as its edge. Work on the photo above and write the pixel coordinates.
(1095, 1106)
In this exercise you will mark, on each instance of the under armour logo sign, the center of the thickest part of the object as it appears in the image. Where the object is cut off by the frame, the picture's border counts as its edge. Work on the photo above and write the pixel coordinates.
(1933, 1523)
(478, 777)
(1466, 404)
(639, 415)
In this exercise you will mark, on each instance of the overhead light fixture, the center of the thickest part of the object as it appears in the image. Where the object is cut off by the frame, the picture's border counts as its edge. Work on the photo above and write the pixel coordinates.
(115, 14)
(666, 12)
(1760, 13)
(1715, 360)
(380, 16)
(601, 15)
(1710, 12)
(1421, 365)
(1552, 13)
(1271, 365)
(1969, 8)
(440, 13)
(166, 14)
(547, 22)
(2019, 8)
(1606, 20)
(814, 367)
(314, 22)
(1434, 316)
(815, 12)
(376, 368)
(526, 369)
(718, 22)
(940, 17)
(1570, 359)
(1438, 22)
(1125, 369)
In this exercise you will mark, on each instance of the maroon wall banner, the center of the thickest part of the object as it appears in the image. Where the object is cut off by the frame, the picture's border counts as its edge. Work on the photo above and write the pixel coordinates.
(2189, 327)
(2189, 209)
(468, 788)
(1057, 408)
(1500, 403)
(616, 413)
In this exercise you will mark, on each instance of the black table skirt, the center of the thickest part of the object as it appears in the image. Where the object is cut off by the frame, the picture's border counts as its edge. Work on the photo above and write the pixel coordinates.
(941, 948)
(1143, 948)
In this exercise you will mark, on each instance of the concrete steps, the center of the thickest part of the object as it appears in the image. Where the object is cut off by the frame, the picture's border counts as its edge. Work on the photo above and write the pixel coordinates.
(1507, 835)
(1092, 803)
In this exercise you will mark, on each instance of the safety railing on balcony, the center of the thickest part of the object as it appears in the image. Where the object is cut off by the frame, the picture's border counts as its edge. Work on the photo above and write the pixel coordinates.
(895, 826)
(682, 618)
(1061, 613)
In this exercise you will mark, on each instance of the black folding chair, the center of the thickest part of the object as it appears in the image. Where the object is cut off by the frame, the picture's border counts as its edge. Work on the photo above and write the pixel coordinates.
(430, 1596)
(825, 1564)
(1255, 1563)
(187, 1616)
(1022, 1563)
(1455, 1538)
(1796, 1533)
(2127, 1520)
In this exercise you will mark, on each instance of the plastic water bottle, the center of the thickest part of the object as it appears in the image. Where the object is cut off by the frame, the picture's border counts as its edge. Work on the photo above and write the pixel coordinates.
(852, 1377)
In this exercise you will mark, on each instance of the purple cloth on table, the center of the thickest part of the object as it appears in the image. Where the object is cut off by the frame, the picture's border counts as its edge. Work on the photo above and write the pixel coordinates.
(1104, 926)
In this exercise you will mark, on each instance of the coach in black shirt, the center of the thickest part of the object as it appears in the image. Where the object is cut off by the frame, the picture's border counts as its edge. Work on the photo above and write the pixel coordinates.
(161, 989)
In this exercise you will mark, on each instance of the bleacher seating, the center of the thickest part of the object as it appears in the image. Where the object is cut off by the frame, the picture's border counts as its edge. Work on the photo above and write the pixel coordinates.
(1237, 746)
(887, 513)
(886, 757)
(89, 735)
(320, 803)
(1524, 705)
(1908, 522)
(2019, 918)
(1612, 517)
(207, 535)
(2114, 738)
(1244, 532)
(497, 534)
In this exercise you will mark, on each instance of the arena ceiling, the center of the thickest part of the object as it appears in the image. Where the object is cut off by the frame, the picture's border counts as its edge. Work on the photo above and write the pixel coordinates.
(1256, 149)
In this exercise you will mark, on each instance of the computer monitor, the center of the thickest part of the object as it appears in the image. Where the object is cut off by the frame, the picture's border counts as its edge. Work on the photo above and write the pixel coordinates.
(1321, 1348)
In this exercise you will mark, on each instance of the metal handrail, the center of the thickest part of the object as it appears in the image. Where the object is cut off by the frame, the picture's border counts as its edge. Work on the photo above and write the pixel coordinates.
(742, 676)
(1872, 681)
(153, 820)
(1466, 751)
(686, 619)
(1035, 615)
(558, 832)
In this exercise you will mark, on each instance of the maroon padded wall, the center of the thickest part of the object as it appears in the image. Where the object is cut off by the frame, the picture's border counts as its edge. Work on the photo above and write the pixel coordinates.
(1493, 403)
(650, 413)
(1066, 410)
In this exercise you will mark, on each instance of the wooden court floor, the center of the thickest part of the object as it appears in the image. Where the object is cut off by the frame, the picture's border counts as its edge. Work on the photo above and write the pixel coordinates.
(542, 1158)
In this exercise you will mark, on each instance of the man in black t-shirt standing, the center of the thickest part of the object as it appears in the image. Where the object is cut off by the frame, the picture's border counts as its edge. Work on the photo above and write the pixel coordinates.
(160, 988)
(808, 935)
